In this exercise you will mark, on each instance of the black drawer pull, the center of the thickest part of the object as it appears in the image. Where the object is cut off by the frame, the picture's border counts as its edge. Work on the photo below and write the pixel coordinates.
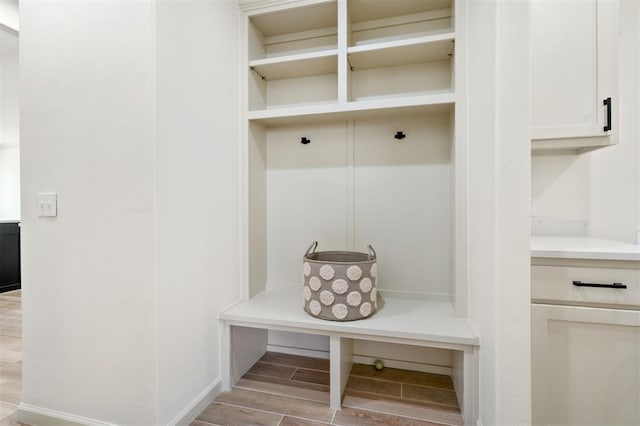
(614, 285)
(607, 103)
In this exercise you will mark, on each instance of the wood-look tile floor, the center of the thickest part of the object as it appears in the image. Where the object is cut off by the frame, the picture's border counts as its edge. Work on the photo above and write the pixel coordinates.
(10, 356)
(287, 390)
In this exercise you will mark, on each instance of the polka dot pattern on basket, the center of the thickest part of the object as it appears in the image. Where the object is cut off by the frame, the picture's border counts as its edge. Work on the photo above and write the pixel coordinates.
(365, 285)
(314, 307)
(315, 283)
(327, 298)
(306, 292)
(340, 286)
(354, 298)
(365, 309)
(374, 270)
(327, 272)
(306, 269)
(340, 311)
(354, 273)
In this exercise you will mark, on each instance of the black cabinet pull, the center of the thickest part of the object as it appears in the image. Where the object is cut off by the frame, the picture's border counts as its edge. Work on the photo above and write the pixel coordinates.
(607, 103)
(614, 285)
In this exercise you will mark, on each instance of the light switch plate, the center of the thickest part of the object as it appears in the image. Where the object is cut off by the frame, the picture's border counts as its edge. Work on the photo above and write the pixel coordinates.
(47, 204)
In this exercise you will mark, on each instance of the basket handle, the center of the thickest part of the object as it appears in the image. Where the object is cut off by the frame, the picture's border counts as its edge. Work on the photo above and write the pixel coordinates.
(372, 252)
(313, 246)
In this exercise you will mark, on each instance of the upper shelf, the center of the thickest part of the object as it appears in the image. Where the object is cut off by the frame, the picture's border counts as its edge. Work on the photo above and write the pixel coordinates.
(397, 318)
(321, 14)
(300, 65)
(399, 52)
(368, 10)
(427, 102)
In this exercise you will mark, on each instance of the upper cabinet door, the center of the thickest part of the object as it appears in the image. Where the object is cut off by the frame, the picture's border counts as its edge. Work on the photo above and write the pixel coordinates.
(574, 68)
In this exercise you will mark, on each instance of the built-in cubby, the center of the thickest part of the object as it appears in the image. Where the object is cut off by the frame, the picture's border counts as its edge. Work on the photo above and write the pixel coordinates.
(355, 135)
(399, 49)
(353, 184)
(292, 56)
(374, 22)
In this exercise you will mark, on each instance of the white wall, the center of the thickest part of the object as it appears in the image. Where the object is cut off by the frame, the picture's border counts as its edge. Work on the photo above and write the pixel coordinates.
(197, 192)
(9, 14)
(499, 181)
(88, 126)
(9, 183)
(129, 117)
(9, 125)
(600, 188)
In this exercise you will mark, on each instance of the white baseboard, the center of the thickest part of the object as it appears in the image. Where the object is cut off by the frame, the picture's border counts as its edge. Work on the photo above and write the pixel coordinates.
(33, 415)
(359, 359)
(405, 365)
(197, 406)
(298, 351)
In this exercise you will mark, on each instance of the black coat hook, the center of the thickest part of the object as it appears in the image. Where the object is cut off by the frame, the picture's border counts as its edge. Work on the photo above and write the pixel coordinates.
(400, 135)
(305, 141)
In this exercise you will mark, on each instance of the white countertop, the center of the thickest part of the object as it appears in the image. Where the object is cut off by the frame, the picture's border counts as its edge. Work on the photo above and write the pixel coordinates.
(9, 220)
(583, 248)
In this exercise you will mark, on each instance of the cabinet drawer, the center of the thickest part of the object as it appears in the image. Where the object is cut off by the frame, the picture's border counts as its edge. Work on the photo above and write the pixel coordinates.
(555, 284)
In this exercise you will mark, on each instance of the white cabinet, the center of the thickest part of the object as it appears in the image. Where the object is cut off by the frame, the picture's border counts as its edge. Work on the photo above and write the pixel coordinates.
(585, 342)
(586, 366)
(574, 73)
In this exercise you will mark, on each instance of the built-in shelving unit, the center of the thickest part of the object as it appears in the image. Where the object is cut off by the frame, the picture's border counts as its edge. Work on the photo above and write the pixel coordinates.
(329, 83)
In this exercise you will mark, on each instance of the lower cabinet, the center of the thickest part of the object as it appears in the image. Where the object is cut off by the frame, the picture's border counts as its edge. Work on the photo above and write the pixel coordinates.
(9, 256)
(585, 365)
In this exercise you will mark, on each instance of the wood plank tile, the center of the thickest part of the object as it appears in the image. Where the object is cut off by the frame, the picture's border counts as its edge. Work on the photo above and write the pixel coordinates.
(381, 387)
(199, 423)
(10, 311)
(9, 305)
(296, 361)
(272, 370)
(11, 371)
(10, 355)
(311, 376)
(10, 342)
(12, 420)
(292, 421)
(221, 414)
(7, 409)
(277, 404)
(11, 386)
(10, 297)
(298, 385)
(10, 397)
(427, 394)
(403, 376)
(396, 406)
(290, 388)
(10, 330)
(354, 417)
